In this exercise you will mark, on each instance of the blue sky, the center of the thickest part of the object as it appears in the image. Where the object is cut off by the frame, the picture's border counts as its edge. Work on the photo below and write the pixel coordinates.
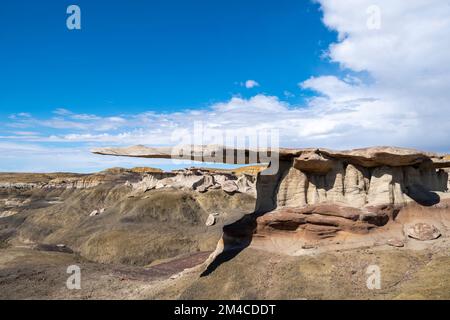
(139, 70)
(134, 56)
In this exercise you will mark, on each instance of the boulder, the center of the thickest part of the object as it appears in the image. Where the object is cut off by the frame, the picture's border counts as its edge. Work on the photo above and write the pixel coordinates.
(202, 189)
(229, 186)
(395, 243)
(94, 213)
(205, 183)
(423, 231)
(210, 221)
(246, 184)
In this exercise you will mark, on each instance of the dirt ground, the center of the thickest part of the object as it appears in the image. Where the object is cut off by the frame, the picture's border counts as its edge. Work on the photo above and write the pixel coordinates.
(153, 245)
(252, 274)
(32, 274)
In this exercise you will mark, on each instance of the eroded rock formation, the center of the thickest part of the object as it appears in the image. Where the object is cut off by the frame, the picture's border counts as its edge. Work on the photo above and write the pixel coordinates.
(360, 177)
(198, 180)
(318, 194)
(140, 181)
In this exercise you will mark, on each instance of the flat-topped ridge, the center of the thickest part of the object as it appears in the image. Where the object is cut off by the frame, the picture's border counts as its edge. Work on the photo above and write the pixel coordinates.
(367, 157)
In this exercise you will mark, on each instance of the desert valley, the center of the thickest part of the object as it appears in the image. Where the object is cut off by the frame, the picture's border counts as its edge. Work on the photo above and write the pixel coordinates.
(309, 231)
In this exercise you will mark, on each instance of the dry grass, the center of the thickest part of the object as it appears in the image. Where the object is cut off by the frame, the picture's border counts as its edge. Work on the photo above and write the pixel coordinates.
(37, 177)
(255, 274)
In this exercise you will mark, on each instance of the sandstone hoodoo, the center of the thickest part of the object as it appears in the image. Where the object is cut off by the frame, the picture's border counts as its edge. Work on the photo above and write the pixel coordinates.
(324, 197)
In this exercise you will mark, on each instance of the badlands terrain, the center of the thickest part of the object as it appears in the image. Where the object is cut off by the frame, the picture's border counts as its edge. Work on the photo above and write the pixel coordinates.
(309, 230)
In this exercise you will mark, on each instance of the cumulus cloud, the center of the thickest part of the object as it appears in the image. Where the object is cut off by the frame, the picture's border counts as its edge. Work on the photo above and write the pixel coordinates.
(400, 71)
(321, 123)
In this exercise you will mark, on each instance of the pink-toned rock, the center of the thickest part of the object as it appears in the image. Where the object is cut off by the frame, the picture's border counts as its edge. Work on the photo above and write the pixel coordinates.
(323, 220)
(313, 162)
(396, 243)
(423, 231)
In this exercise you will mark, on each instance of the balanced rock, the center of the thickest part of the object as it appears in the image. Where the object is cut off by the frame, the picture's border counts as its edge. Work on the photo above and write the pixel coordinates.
(367, 157)
(423, 231)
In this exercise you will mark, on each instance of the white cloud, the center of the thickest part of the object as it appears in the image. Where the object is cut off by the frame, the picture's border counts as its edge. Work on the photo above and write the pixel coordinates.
(395, 90)
(334, 88)
(249, 84)
(407, 63)
(20, 115)
(26, 133)
(67, 120)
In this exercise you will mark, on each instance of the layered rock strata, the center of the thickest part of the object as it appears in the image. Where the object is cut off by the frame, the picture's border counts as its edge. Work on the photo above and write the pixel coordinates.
(360, 177)
(187, 179)
(199, 181)
(320, 193)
